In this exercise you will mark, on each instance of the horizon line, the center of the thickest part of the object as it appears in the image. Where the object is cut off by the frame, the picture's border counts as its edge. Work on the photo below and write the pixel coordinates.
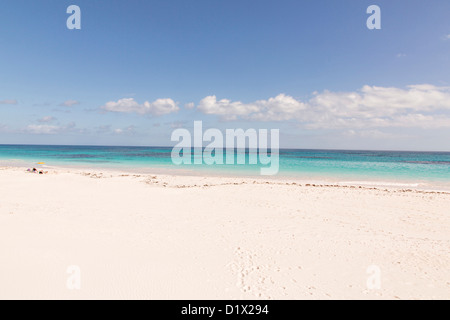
(168, 147)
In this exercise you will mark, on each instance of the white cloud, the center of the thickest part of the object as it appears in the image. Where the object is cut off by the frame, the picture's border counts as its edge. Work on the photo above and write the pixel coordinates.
(189, 105)
(128, 130)
(42, 129)
(280, 108)
(108, 129)
(10, 102)
(69, 103)
(447, 37)
(401, 55)
(50, 129)
(47, 119)
(425, 106)
(157, 108)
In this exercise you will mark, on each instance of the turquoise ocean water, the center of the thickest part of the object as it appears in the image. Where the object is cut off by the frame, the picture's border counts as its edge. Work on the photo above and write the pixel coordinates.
(308, 164)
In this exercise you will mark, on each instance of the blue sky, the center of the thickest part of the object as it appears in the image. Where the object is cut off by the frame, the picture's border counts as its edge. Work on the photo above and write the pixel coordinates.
(138, 69)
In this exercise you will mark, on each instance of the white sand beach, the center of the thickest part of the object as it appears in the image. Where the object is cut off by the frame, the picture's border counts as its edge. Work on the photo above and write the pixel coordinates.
(179, 237)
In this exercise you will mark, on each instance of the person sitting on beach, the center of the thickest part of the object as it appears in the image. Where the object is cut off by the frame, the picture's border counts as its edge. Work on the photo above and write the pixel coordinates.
(34, 170)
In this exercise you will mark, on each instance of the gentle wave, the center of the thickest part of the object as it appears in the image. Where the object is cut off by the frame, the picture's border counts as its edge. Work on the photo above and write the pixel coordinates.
(428, 162)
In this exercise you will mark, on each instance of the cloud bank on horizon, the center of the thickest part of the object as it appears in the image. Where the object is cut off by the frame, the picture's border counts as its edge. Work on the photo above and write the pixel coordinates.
(422, 106)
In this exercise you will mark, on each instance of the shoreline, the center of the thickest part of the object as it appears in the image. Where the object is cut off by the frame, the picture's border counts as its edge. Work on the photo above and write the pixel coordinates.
(170, 174)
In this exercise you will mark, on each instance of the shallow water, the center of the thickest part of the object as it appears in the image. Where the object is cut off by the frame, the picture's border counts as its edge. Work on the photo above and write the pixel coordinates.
(376, 166)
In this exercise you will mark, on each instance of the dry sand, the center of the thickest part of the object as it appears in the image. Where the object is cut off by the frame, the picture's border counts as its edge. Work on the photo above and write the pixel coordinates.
(169, 237)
